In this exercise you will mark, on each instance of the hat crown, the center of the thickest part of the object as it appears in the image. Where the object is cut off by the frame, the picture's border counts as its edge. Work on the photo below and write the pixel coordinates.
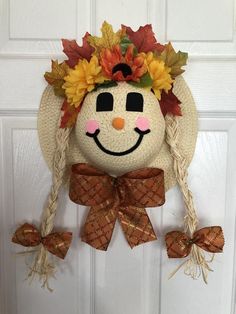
(113, 148)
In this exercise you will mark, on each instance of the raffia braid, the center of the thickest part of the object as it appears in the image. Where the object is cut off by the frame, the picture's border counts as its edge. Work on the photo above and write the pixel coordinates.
(42, 266)
(196, 264)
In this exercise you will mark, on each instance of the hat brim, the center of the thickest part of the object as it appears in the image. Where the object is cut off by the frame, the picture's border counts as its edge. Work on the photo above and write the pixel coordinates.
(49, 119)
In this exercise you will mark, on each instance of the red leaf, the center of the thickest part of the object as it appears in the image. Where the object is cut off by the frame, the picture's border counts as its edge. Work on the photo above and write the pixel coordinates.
(169, 103)
(69, 117)
(144, 39)
(74, 52)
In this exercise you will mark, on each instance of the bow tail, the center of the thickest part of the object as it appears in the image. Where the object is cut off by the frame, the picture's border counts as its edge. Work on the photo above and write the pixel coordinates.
(99, 226)
(136, 225)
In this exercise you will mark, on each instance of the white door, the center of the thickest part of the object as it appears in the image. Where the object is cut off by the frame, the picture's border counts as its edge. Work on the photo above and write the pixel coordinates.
(119, 281)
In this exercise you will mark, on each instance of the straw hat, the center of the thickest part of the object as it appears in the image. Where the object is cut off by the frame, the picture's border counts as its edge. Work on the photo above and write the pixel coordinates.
(152, 152)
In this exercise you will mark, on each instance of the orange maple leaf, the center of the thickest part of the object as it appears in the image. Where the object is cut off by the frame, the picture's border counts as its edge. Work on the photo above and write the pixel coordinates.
(74, 52)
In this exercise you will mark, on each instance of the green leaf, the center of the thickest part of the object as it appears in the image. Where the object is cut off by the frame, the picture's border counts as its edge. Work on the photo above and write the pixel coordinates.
(105, 84)
(124, 43)
(145, 81)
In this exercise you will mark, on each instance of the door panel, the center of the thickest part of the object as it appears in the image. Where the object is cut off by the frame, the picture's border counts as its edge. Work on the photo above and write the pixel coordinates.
(119, 280)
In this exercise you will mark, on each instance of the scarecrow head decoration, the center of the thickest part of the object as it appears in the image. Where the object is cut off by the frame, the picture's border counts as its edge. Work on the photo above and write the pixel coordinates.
(118, 124)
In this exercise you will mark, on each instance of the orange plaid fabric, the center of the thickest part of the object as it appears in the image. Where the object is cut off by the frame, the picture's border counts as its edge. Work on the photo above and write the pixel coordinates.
(123, 198)
(57, 243)
(179, 244)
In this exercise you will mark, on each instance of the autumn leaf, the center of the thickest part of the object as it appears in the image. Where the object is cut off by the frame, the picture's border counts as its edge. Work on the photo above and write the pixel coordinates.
(145, 81)
(70, 114)
(105, 84)
(169, 103)
(174, 60)
(108, 39)
(143, 39)
(125, 43)
(56, 77)
(74, 52)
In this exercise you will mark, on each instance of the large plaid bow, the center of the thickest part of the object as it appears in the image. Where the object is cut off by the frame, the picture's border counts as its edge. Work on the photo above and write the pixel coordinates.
(123, 197)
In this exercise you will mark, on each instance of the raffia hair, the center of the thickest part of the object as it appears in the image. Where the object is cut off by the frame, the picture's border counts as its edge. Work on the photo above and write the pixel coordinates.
(42, 266)
(196, 264)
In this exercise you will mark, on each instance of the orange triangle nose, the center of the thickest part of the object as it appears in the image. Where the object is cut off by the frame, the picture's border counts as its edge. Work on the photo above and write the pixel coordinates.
(118, 123)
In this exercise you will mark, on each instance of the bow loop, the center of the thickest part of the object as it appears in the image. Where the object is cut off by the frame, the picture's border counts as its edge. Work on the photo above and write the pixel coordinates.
(179, 244)
(144, 187)
(27, 235)
(89, 186)
(56, 243)
(210, 239)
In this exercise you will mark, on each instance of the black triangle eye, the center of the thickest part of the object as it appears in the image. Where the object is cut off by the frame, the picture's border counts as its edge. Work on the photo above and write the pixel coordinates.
(104, 102)
(134, 102)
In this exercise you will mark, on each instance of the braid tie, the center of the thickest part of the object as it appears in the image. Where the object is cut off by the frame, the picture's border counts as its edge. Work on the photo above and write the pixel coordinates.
(42, 266)
(196, 264)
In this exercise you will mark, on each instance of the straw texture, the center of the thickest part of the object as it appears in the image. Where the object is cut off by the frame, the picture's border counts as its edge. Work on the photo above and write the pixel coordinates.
(49, 114)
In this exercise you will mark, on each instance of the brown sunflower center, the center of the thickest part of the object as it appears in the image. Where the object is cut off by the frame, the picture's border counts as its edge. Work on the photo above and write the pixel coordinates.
(123, 67)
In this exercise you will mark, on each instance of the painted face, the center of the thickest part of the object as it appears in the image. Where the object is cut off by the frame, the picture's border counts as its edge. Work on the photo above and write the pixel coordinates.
(120, 129)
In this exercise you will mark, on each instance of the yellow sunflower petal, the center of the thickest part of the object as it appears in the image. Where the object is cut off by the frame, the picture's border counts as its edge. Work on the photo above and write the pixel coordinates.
(82, 79)
(159, 73)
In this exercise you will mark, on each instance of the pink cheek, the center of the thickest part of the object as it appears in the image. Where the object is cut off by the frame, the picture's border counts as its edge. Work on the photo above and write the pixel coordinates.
(142, 123)
(91, 126)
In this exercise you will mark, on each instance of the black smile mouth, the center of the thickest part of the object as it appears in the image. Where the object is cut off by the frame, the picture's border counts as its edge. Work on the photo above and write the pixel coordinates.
(128, 151)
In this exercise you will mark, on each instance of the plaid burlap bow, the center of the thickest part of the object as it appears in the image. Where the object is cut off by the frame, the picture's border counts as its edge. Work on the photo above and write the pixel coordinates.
(124, 197)
(57, 243)
(179, 244)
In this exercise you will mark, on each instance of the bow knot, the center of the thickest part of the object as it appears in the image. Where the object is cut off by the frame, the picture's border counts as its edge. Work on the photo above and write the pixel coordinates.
(123, 198)
(56, 243)
(179, 244)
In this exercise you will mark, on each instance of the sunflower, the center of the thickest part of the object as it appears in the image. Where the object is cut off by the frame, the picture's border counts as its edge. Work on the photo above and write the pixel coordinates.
(82, 79)
(122, 68)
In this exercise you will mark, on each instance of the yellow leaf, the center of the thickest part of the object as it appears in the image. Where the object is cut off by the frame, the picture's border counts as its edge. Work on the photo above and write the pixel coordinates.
(108, 39)
(174, 60)
(56, 77)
